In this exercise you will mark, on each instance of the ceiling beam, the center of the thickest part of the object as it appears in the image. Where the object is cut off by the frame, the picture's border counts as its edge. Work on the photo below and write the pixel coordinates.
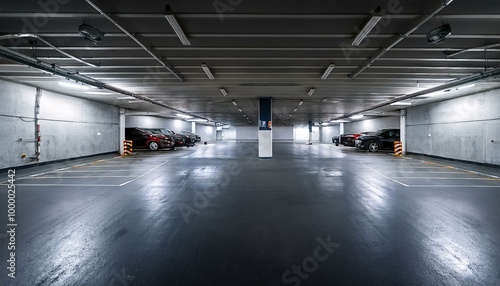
(134, 38)
(400, 38)
(245, 16)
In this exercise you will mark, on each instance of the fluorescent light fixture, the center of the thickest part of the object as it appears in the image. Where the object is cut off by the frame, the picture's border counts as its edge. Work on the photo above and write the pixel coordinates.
(328, 71)
(197, 120)
(135, 101)
(239, 109)
(466, 86)
(339, 121)
(311, 92)
(207, 71)
(169, 15)
(125, 97)
(223, 91)
(183, 116)
(359, 116)
(101, 93)
(301, 102)
(234, 103)
(295, 110)
(72, 85)
(366, 30)
(402, 103)
(225, 126)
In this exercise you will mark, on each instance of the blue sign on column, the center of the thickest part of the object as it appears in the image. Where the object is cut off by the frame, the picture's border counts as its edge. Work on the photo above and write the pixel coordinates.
(265, 114)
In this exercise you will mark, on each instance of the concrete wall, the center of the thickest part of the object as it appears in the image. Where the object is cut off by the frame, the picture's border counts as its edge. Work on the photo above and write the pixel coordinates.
(247, 133)
(205, 132)
(328, 132)
(460, 128)
(372, 124)
(70, 127)
(301, 134)
(251, 133)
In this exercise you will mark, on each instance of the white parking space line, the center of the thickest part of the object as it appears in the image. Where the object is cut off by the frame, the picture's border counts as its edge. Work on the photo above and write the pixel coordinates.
(451, 186)
(76, 177)
(61, 185)
(420, 172)
(133, 180)
(380, 174)
(97, 171)
(444, 178)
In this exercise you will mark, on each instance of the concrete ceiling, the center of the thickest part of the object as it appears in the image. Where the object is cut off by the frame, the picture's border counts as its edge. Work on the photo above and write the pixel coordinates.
(254, 49)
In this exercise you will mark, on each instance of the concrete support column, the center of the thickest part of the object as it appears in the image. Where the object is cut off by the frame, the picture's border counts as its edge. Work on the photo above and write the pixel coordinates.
(193, 127)
(310, 133)
(265, 128)
(341, 128)
(122, 130)
(403, 130)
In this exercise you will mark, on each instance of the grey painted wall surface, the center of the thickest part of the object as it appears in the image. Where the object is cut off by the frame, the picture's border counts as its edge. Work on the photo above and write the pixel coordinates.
(206, 132)
(283, 133)
(247, 133)
(70, 127)
(460, 128)
(372, 124)
(251, 133)
(328, 132)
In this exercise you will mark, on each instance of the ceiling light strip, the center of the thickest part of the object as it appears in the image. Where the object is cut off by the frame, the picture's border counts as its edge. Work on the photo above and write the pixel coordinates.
(223, 91)
(328, 71)
(169, 15)
(366, 30)
(206, 69)
(135, 39)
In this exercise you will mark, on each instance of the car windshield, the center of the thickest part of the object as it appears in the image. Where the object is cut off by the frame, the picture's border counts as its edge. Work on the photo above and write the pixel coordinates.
(156, 131)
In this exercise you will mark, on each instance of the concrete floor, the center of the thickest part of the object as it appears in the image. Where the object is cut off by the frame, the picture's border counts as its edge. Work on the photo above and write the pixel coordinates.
(217, 215)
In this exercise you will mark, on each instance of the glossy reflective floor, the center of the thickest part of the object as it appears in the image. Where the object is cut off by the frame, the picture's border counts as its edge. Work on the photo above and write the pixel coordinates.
(217, 215)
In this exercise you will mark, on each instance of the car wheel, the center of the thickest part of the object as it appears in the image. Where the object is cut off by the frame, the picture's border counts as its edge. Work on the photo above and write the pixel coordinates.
(153, 146)
(373, 146)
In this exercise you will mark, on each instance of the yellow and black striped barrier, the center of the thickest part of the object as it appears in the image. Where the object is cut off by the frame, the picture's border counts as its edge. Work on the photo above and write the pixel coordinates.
(127, 148)
(398, 148)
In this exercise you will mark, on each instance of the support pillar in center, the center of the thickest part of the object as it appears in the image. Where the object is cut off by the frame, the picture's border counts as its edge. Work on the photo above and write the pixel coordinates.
(265, 128)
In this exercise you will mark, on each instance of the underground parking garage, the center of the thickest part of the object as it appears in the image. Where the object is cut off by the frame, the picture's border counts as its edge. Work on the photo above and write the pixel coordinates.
(249, 143)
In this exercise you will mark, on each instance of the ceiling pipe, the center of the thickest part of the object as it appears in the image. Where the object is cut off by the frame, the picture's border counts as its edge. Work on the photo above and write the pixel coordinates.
(135, 39)
(450, 54)
(467, 80)
(383, 51)
(16, 36)
(64, 73)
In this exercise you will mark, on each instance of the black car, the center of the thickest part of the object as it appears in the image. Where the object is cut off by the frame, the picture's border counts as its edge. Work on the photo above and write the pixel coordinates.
(335, 140)
(348, 139)
(195, 137)
(382, 139)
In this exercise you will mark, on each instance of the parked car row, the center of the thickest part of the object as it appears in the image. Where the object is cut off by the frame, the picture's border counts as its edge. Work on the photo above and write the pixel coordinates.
(372, 141)
(347, 139)
(159, 138)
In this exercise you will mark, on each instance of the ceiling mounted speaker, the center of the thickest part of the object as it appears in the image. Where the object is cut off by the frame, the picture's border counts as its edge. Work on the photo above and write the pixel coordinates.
(90, 33)
(439, 34)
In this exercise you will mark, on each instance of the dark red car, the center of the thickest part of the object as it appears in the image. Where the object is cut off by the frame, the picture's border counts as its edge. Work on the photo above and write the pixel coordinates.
(144, 138)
